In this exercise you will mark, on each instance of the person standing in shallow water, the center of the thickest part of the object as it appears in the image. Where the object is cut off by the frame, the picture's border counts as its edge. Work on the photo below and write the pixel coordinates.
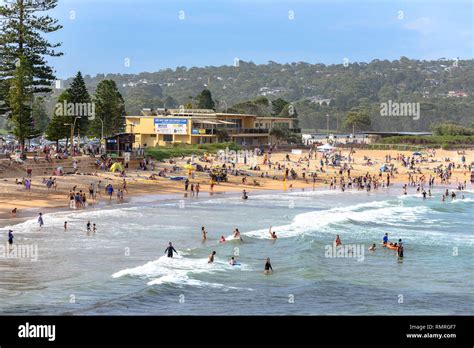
(170, 249)
(204, 234)
(268, 267)
(40, 220)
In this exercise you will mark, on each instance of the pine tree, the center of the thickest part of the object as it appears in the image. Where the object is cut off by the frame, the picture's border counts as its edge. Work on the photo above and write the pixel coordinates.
(40, 115)
(78, 94)
(109, 110)
(205, 100)
(22, 43)
(59, 126)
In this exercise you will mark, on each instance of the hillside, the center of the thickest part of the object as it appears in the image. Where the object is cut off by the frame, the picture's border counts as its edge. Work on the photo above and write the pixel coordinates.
(444, 89)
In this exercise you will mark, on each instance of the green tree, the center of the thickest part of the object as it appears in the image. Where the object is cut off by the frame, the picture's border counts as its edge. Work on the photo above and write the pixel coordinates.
(40, 115)
(357, 121)
(278, 105)
(80, 98)
(20, 99)
(57, 128)
(23, 67)
(109, 110)
(205, 100)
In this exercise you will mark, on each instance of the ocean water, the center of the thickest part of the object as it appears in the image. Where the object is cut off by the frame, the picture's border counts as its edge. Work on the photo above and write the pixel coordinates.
(122, 269)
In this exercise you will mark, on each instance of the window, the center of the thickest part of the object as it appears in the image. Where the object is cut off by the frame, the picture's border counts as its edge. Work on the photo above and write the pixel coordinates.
(168, 137)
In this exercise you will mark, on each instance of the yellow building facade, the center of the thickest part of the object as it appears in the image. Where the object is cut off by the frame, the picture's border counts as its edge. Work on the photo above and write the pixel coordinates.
(177, 126)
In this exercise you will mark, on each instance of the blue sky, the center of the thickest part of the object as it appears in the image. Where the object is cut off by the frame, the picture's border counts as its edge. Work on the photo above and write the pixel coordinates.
(99, 35)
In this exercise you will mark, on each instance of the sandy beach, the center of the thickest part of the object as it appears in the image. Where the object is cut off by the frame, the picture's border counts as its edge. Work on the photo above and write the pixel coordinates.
(39, 197)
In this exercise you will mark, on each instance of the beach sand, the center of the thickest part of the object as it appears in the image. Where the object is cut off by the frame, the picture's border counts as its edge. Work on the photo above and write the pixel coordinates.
(39, 198)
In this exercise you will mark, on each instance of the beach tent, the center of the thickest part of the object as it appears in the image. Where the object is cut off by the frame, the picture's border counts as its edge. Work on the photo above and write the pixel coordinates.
(325, 148)
(116, 166)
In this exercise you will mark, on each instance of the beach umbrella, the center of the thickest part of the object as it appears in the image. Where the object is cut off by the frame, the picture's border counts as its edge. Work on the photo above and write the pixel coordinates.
(116, 166)
(417, 153)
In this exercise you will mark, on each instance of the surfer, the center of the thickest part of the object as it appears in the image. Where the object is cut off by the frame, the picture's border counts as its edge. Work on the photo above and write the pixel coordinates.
(268, 267)
(272, 234)
(170, 249)
(211, 257)
(232, 261)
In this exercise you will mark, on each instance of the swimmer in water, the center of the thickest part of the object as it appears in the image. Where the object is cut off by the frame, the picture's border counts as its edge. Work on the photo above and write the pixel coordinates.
(65, 225)
(222, 240)
(236, 234)
(268, 267)
(170, 249)
(88, 226)
(272, 234)
(94, 228)
(372, 248)
(232, 261)
(338, 241)
(204, 234)
(211, 257)
(14, 210)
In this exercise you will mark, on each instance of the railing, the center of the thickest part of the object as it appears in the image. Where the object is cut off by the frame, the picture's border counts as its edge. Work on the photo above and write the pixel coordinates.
(258, 130)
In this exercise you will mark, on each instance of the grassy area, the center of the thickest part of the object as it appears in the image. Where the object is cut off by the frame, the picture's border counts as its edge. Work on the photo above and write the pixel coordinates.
(164, 152)
(443, 141)
(3, 131)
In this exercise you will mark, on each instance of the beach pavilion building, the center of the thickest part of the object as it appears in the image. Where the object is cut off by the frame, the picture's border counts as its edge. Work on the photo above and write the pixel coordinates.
(201, 126)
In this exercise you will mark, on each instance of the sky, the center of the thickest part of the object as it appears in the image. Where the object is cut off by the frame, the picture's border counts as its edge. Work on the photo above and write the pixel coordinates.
(133, 36)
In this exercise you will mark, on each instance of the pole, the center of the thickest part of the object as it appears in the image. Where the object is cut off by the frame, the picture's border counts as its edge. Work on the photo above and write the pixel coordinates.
(327, 123)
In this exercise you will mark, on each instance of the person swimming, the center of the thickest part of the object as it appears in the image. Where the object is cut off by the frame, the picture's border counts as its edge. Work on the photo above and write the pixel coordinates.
(337, 242)
(236, 234)
(222, 240)
(170, 249)
(372, 247)
(268, 267)
(211, 257)
(272, 234)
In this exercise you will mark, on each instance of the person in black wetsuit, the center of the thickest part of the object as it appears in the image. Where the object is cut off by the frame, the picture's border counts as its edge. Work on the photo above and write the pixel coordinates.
(10, 237)
(170, 249)
(268, 267)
